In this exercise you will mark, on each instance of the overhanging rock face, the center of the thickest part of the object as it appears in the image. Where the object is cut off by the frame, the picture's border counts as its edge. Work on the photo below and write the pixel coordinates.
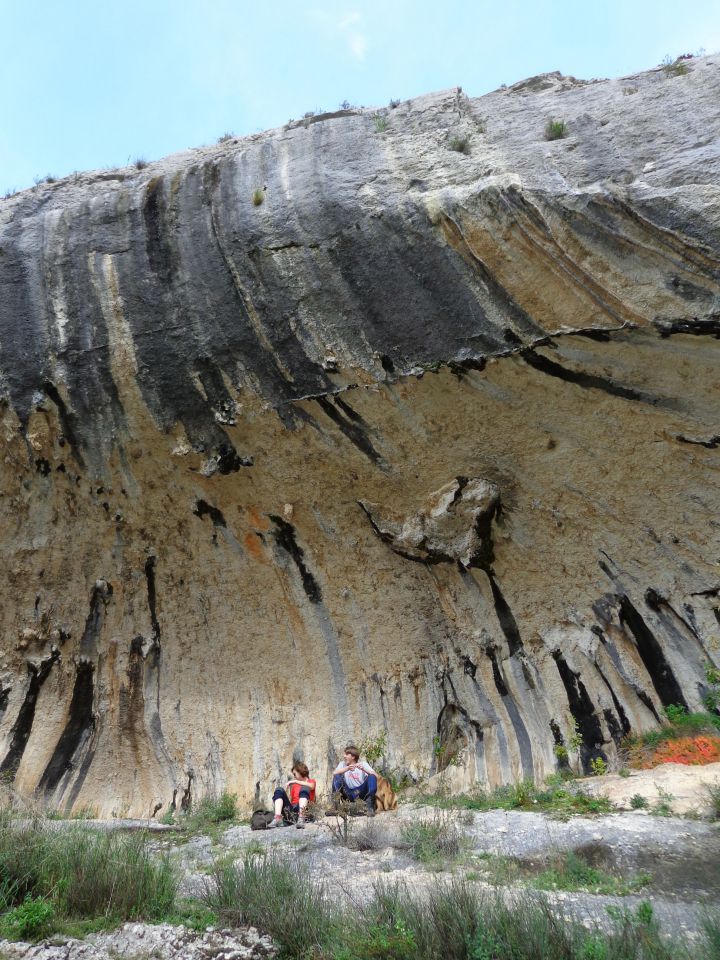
(426, 441)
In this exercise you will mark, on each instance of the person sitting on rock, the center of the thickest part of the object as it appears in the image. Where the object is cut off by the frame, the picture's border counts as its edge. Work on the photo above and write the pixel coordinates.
(290, 805)
(355, 780)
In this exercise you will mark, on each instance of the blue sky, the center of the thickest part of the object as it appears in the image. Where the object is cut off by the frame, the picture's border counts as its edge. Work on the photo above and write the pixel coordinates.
(87, 84)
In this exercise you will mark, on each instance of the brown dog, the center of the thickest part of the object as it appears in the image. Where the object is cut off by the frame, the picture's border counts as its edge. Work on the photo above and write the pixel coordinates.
(385, 798)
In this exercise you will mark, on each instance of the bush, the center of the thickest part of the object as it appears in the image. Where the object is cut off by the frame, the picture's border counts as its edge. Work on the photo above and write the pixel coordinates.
(459, 144)
(674, 68)
(83, 873)
(638, 802)
(31, 920)
(432, 842)
(277, 896)
(210, 811)
(556, 130)
(258, 197)
(381, 123)
(140, 163)
(713, 793)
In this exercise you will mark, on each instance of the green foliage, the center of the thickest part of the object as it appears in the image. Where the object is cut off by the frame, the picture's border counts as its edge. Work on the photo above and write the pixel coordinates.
(451, 921)
(558, 798)
(446, 754)
(663, 807)
(576, 738)
(381, 942)
(712, 673)
(459, 144)
(194, 915)
(623, 772)
(82, 874)
(711, 930)
(713, 793)
(380, 122)
(556, 130)
(30, 920)
(561, 752)
(680, 724)
(211, 811)
(675, 713)
(711, 700)
(434, 842)
(277, 895)
(258, 196)
(674, 68)
(598, 766)
(573, 872)
(373, 748)
(638, 802)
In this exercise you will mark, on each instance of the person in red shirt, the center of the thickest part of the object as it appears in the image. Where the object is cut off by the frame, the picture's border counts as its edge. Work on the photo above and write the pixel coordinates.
(290, 804)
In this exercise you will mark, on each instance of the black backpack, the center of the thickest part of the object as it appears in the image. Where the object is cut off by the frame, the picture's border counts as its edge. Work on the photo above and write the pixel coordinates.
(260, 819)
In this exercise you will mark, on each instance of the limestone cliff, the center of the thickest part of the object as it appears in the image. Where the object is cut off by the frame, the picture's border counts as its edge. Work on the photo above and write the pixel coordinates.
(406, 424)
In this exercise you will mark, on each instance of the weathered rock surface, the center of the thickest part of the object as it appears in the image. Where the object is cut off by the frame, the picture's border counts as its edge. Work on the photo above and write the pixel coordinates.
(136, 941)
(223, 424)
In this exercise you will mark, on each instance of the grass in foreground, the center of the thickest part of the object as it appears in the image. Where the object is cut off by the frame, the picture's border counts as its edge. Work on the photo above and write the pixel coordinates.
(451, 922)
(78, 878)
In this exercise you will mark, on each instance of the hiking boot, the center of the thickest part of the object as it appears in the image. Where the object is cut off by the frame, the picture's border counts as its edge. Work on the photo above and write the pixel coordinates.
(275, 822)
(300, 823)
(370, 804)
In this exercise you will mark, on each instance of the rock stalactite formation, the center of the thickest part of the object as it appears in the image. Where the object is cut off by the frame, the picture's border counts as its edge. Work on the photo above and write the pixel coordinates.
(426, 441)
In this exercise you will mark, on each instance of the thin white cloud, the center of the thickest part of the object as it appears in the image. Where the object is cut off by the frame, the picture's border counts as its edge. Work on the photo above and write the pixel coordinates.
(358, 45)
(350, 20)
(350, 28)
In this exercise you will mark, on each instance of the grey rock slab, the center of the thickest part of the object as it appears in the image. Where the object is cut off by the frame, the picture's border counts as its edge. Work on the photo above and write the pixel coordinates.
(137, 941)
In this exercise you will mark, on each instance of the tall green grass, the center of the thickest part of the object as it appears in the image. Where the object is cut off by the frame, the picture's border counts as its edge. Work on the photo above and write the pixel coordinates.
(278, 897)
(83, 873)
(450, 921)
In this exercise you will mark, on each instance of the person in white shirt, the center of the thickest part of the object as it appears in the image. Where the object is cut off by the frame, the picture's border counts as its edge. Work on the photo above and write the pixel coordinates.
(355, 780)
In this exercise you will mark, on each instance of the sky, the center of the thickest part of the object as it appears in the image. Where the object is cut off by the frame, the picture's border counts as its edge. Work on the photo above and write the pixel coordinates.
(86, 84)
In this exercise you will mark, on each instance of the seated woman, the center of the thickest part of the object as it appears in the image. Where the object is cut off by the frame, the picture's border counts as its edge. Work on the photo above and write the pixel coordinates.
(290, 804)
(354, 779)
